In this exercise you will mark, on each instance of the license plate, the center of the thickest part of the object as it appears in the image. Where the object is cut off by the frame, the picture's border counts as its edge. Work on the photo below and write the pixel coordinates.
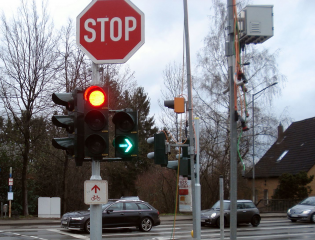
(64, 222)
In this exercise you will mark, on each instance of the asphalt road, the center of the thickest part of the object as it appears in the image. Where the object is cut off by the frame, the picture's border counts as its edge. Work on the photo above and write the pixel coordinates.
(270, 228)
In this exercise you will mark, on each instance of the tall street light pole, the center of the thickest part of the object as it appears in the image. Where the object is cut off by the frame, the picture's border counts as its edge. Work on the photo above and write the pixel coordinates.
(253, 100)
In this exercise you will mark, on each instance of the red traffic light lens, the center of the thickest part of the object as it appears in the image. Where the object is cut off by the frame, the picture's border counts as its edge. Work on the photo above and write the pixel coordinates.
(95, 96)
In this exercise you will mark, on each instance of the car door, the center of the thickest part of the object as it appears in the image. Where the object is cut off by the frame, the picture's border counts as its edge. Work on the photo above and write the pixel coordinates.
(131, 214)
(243, 213)
(114, 215)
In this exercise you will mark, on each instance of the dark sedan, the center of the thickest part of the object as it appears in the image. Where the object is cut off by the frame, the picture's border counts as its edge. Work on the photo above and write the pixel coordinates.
(117, 213)
(246, 213)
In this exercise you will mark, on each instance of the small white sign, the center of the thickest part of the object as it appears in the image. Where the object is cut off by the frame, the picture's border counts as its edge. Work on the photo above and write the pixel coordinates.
(10, 196)
(10, 181)
(95, 192)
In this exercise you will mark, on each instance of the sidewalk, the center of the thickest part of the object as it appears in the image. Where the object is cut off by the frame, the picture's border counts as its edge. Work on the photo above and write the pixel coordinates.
(56, 221)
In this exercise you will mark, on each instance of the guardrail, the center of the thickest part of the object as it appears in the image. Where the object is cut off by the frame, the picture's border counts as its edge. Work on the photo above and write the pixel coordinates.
(276, 205)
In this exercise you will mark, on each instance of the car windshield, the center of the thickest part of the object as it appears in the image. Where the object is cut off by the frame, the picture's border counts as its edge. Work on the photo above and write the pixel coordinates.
(308, 201)
(226, 205)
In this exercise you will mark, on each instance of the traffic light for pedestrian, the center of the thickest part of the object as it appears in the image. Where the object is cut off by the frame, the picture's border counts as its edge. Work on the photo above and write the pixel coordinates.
(73, 123)
(96, 122)
(161, 149)
(126, 134)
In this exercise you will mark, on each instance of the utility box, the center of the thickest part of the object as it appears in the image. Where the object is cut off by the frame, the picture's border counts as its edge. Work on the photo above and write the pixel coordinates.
(255, 24)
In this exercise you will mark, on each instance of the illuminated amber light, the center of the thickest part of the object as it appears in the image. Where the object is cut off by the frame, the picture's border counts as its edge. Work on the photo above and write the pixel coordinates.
(97, 98)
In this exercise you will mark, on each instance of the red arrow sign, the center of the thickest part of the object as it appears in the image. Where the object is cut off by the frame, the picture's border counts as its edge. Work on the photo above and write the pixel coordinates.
(95, 188)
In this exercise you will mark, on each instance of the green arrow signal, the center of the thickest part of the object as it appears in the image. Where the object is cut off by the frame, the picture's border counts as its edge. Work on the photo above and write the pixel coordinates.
(127, 145)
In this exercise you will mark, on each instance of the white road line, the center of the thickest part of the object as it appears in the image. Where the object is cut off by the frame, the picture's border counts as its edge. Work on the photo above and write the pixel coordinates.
(69, 234)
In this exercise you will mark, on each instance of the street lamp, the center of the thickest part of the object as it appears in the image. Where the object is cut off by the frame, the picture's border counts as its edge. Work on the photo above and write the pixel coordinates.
(253, 99)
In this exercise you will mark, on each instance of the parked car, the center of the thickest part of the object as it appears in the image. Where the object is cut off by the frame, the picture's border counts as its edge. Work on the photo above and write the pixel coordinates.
(304, 211)
(116, 213)
(247, 212)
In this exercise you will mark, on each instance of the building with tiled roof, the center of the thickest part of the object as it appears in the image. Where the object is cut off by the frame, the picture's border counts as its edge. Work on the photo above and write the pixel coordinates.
(293, 152)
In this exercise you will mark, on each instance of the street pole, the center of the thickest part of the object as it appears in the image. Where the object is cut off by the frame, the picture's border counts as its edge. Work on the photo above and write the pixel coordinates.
(95, 209)
(254, 197)
(221, 208)
(233, 132)
(191, 150)
(253, 127)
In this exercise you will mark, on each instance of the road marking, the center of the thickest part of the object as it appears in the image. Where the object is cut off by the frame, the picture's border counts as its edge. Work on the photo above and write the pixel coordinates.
(69, 234)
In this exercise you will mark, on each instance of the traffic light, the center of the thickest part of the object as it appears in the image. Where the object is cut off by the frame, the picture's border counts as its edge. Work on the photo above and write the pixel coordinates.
(96, 122)
(126, 134)
(73, 123)
(178, 104)
(184, 167)
(160, 154)
(65, 121)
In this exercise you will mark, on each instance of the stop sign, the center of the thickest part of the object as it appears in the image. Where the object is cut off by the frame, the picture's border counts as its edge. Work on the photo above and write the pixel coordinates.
(110, 31)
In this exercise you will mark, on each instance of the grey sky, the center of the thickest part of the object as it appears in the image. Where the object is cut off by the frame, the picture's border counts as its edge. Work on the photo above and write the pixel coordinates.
(294, 35)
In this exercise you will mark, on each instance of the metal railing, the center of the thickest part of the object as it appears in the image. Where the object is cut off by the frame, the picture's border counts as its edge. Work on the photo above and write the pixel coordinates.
(276, 205)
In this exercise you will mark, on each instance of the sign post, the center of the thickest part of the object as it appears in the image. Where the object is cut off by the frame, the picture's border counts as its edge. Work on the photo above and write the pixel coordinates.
(107, 31)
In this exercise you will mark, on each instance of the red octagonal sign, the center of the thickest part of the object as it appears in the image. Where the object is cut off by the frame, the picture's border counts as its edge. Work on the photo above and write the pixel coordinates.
(110, 31)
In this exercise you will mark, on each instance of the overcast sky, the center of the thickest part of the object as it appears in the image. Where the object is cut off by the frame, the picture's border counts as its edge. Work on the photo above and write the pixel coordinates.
(294, 35)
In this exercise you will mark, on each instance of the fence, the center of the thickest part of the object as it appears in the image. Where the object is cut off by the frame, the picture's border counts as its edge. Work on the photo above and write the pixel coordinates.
(276, 205)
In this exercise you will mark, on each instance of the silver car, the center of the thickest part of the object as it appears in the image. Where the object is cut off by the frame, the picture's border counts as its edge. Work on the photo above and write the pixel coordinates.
(247, 212)
(304, 211)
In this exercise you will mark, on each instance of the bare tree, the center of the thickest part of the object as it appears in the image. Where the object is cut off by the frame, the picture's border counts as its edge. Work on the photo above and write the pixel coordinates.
(28, 57)
(211, 102)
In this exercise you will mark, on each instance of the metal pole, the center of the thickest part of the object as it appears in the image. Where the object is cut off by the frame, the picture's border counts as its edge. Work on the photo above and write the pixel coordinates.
(10, 191)
(254, 197)
(221, 208)
(95, 209)
(196, 221)
(197, 183)
(233, 132)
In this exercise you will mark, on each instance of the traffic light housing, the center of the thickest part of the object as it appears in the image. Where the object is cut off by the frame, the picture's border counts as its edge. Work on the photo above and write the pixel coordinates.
(184, 167)
(160, 154)
(126, 134)
(178, 104)
(64, 121)
(95, 135)
(71, 122)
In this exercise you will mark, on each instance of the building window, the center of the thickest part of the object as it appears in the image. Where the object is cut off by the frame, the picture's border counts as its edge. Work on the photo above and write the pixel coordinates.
(282, 155)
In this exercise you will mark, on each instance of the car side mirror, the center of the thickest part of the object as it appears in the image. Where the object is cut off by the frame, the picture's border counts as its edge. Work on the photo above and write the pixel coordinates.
(110, 211)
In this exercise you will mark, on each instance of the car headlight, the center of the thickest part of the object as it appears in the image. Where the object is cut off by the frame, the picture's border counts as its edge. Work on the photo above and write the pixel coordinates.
(77, 218)
(213, 215)
(289, 210)
(306, 211)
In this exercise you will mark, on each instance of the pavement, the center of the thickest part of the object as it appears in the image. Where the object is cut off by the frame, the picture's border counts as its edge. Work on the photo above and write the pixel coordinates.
(56, 221)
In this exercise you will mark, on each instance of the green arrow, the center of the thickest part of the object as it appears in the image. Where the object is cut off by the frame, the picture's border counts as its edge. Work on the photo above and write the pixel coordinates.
(126, 145)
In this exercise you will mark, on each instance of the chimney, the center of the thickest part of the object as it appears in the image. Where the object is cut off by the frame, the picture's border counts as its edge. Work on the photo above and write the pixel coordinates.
(280, 133)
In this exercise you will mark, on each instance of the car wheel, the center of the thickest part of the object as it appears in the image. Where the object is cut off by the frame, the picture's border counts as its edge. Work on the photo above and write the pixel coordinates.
(146, 224)
(255, 220)
(218, 222)
(293, 220)
(313, 218)
(87, 226)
